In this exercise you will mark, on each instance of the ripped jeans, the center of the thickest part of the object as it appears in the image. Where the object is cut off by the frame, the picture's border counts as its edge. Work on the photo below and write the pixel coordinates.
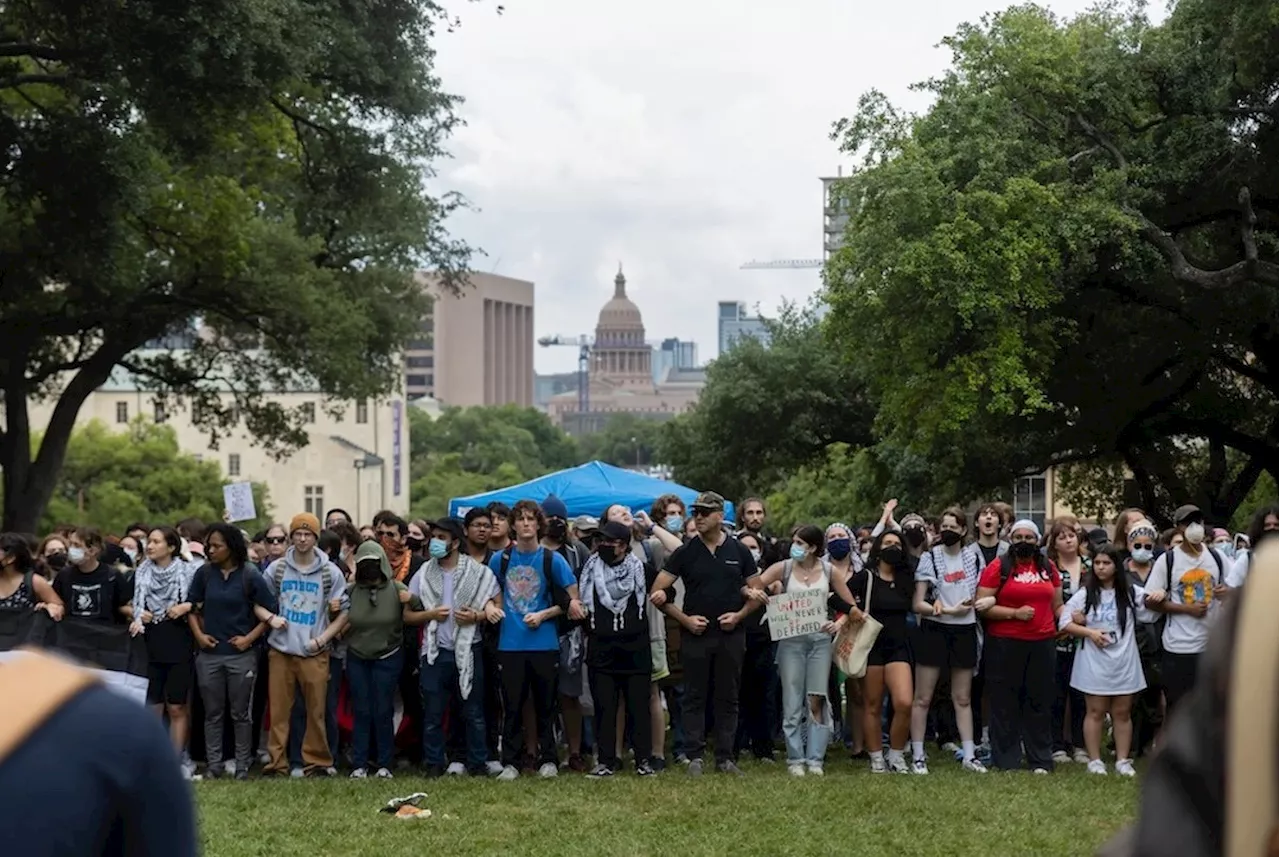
(804, 665)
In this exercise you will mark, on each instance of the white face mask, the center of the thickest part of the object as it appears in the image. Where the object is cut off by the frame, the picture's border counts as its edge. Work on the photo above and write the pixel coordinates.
(75, 556)
(755, 554)
(1194, 533)
(132, 554)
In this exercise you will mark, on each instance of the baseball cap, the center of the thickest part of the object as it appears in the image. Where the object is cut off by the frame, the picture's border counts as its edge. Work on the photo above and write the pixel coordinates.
(1186, 513)
(615, 532)
(708, 501)
(449, 525)
(585, 523)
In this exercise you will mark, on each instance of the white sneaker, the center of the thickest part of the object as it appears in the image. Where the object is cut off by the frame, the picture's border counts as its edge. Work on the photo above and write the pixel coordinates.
(973, 765)
(815, 769)
(297, 773)
(920, 766)
(877, 765)
(509, 773)
(456, 769)
(493, 768)
(1080, 757)
(1124, 767)
(898, 765)
(1097, 766)
(359, 774)
(384, 774)
(1060, 757)
(1044, 771)
(796, 769)
(548, 770)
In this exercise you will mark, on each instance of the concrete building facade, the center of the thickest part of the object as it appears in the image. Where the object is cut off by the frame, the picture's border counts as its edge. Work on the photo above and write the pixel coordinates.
(476, 348)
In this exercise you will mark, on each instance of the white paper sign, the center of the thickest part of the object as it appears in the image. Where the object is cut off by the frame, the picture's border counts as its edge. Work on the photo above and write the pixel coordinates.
(796, 615)
(238, 500)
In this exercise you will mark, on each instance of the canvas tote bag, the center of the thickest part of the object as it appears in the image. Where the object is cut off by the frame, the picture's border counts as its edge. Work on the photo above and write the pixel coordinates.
(853, 643)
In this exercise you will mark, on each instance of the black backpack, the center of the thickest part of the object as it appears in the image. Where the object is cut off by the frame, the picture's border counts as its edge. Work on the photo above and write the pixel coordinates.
(559, 595)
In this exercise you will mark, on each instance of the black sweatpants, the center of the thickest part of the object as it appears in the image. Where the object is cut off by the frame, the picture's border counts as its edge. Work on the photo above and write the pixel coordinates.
(1179, 674)
(1021, 688)
(713, 658)
(536, 676)
(494, 709)
(608, 690)
(1066, 695)
(758, 697)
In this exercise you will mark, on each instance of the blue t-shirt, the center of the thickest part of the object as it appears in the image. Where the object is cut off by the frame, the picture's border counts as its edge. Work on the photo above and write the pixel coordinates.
(525, 591)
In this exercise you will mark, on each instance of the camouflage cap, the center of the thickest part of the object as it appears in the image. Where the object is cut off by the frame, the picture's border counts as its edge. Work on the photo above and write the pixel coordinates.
(708, 501)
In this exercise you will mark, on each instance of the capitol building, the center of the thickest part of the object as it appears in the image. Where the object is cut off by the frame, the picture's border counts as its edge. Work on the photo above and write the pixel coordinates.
(621, 374)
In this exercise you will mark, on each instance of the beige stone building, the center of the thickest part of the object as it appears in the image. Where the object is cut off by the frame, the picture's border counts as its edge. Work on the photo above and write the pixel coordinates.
(476, 348)
(358, 461)
(621, 374)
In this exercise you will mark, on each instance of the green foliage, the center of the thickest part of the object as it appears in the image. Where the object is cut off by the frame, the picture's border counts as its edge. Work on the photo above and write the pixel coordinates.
(111, 479)
(840, 487)
(628, 440)
(260, 166)
(1263, 494)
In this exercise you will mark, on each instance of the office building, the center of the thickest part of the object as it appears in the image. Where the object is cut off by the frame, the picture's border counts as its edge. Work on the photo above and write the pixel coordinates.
(733, 323)
(476, 347)
(835, 214)
(673, 354)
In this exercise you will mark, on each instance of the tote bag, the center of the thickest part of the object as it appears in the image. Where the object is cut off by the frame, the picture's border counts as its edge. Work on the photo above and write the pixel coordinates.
(853, 643)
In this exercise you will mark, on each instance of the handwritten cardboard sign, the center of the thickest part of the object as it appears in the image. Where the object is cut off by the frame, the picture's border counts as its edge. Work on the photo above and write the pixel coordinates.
(796, 615)
(237, 498)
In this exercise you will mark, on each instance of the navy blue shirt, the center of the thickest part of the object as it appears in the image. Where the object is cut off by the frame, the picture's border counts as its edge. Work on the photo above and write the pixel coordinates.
(99, 777)
(226, 603)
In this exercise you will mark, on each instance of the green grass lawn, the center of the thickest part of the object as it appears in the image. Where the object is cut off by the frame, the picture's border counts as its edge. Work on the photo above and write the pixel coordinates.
(849, 811)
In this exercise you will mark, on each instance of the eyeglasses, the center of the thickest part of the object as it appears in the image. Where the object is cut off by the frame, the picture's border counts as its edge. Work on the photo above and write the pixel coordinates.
(274, 540)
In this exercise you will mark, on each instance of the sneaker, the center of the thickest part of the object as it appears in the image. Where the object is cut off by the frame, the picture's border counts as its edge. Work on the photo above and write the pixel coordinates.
(973, 765)
(576, 764)
(681, 759)
(384, 774)
(330, 771)
(548, 770)
(657, 763)
(1060, 757)
(1080, 757)
(644, 769)
(359, 774)
(456, 769)
(898, 765)
(795, 769)
(951, 747)
(766, 760)
(815, 769)
(297, 773)
(920, 766)
(1097, 766)
(1040, 771)
(983, 753)
(264, 757)
(728, 767)
(1124, 767)
(695, 768)
(599, 772)
(878, 765)
(241, 775)
(493, 768)
(509, 773)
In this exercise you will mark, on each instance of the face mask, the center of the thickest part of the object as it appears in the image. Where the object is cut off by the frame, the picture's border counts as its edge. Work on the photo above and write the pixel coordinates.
(1227, 548)
(413, 544)
(673, 523)
(1194, 533)
(840, 548)
(755, 555)
(369, 572)
(610, 554)
(132, 554)
(438, 548)
(1023, 550)
(557, 529)
(56, 561)
(798, 552)
(1142, 556)
(950, 538)
(75, 556)
(914, 537)
(891, 554)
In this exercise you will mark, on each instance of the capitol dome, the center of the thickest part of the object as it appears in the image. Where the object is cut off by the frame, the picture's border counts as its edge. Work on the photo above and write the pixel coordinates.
(620, 315)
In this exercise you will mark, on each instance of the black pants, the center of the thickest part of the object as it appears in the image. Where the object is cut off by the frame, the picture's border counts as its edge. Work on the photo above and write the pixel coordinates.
(1020, 688)
(758, 698)
(493, 694)
(712, 658)
(1065, 694)
(607, 691)
(536, 676)
(1179, 674)
(409, 685)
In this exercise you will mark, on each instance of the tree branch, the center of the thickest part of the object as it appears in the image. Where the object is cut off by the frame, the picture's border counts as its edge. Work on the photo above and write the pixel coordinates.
(1250, 270)
(34, 79)
(26, 49)
(299, 118)
(1099, 138)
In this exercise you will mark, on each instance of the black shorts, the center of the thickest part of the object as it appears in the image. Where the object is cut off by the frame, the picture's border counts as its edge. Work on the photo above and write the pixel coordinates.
(169, 684)
(947, 646)
(889, 649)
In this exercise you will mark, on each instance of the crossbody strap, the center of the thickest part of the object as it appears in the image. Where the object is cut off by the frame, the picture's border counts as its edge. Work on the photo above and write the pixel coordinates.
(32, 687)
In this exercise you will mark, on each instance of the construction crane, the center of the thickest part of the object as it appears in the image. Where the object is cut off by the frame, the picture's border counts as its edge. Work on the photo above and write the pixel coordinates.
(584, 344)
(777, 264)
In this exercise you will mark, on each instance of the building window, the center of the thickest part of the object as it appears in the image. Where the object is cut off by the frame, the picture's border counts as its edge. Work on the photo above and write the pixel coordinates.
(420, 362)
(161, 416)
(431, 379)
(122, 412)
(313, 499)
(1029, 500)
(233, 464)
(362, 411)
(416, 380)
(308, 412)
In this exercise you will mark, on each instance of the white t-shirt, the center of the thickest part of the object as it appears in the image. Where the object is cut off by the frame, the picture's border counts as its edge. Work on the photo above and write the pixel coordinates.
(955, 580)
(1193, 580)
(1114, 670)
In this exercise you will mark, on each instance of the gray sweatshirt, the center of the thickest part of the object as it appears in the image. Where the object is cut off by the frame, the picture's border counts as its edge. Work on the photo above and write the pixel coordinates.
(303, 600)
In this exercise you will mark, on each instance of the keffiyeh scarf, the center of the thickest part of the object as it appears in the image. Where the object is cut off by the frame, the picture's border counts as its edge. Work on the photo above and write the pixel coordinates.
(467, 578)
(613, 585)
(157, 589)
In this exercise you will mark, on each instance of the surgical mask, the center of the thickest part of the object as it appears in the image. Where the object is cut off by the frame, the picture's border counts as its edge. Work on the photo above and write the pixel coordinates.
(950, 538)
(1227, 548)
(840, 548)
(673, 523)
(798, 552)
(75, 556)
(1194, 533)
(1142, 556)
(891, 555)
(1023, 550)
(755, 555)
(438, 548)
(132, 554)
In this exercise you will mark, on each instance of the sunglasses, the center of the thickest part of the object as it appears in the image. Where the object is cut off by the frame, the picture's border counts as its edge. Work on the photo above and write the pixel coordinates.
(275, 540)
(704, 513)
(1141, 545)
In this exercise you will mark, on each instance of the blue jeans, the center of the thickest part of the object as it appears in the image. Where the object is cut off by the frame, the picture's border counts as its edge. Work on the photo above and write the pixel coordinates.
(804, 665)
(373, 698)
(298, 717)
(439, 681)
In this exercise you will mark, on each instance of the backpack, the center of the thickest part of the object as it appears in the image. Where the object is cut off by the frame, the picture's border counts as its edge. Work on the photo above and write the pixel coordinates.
(1163, 621)
(278, 571)
(559, 596)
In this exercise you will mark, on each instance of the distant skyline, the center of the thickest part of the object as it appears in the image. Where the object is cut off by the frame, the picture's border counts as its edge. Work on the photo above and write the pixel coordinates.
(680, 138)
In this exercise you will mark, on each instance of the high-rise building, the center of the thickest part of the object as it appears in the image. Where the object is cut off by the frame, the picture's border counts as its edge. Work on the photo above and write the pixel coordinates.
(477, 347)
(734, 323)
(673, 354)
(835, 214)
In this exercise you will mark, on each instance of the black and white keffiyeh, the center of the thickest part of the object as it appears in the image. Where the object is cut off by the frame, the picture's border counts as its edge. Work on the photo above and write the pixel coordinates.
(613, 585)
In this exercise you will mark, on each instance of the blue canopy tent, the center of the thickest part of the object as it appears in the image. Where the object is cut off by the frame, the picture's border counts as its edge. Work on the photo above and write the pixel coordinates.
(586, 490)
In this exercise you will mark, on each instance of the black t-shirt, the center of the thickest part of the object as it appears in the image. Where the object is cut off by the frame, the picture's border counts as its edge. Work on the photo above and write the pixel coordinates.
(891, 600)
(988, 553)
(624, 650)
(712, 581)
(97, 595)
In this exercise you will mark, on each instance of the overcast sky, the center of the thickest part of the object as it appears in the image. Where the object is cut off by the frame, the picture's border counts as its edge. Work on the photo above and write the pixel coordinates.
(678, 138)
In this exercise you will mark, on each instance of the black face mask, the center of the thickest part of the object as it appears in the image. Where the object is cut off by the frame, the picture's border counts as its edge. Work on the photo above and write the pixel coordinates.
(914, 537)
(1023, 550)
(56, 561)
(950, 538)
(611, 554)
(557, 529)
(891, 555)
(414, 544)
(369, 572)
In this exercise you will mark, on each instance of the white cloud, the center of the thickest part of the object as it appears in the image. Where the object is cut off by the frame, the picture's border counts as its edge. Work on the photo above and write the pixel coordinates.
(680, 138)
